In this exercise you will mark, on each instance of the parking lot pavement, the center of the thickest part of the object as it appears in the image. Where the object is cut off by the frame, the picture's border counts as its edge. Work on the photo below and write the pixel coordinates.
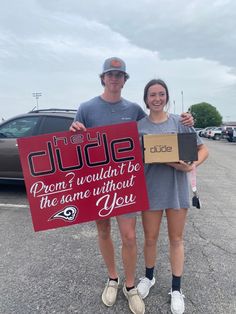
(61, 270)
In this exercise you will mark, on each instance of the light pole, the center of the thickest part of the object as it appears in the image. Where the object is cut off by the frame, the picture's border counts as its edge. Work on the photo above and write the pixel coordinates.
(37, 95)
(174, 105)
(182, 94)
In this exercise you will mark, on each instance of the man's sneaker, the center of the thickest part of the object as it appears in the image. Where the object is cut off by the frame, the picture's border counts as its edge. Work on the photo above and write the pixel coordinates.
(110, 292)
(177, 302)
(136, 304)
(144, 286)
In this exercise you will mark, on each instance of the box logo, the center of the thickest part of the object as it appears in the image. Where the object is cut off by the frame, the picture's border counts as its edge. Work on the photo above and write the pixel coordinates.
(161, 149)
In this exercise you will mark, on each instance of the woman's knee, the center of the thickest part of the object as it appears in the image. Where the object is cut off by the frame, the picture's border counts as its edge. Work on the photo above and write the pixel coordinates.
(177, 242)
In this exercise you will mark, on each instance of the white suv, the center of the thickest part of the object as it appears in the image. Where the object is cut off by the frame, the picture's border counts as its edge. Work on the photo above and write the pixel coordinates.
(215, 133)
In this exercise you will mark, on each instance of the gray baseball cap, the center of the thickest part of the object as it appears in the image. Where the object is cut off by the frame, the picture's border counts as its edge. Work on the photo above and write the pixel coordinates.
(114, 64)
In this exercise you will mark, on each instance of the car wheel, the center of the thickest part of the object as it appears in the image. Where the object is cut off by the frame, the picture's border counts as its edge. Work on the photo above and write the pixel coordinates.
(217, 137)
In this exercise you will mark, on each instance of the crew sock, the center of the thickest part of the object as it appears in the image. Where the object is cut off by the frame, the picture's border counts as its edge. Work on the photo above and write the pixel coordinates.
(176, 283)
(149, 273)
(129, 288)
(114, 279)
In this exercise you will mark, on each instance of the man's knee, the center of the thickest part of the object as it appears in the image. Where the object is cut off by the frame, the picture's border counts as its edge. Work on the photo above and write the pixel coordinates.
(150, 241)
(104, 229)
(129, 239)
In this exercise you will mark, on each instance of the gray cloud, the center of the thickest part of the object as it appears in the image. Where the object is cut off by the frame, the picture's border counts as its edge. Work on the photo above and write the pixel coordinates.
(177, 29)
(58, 46)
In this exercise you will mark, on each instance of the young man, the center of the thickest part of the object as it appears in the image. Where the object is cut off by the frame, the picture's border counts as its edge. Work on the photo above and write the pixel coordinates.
(111, 108)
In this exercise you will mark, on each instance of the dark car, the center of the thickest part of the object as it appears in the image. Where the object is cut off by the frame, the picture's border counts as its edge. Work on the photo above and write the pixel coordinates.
(231, 134)
(30, 124)
(226, 130)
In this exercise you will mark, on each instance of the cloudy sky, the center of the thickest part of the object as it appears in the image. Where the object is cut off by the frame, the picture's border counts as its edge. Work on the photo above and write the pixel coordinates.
(57, 47)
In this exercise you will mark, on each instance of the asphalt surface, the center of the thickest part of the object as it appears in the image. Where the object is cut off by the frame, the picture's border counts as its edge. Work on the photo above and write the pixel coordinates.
(61, 270)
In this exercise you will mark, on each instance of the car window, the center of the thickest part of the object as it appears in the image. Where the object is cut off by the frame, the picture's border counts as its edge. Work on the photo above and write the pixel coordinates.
(20, 127)
(55, 124)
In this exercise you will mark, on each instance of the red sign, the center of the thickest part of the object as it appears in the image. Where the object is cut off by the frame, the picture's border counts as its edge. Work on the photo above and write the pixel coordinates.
(72, 178)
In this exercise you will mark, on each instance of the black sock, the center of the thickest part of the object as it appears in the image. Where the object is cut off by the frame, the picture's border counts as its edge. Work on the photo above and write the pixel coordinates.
(149, 273)
(129, 288)
(114, 279)
(176, 283)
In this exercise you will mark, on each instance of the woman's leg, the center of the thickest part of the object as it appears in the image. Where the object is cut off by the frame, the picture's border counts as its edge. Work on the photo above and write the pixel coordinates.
(151, 226)
(176, 222)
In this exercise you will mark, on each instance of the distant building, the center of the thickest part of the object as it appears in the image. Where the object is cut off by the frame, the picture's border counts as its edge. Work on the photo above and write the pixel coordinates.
(233, 123)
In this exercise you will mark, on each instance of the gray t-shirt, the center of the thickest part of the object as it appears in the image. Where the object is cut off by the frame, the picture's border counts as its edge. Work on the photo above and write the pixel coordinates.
(97, 112)
(167, 187)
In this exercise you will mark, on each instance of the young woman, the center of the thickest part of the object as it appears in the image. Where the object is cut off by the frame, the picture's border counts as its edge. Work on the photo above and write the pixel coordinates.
(168, 189)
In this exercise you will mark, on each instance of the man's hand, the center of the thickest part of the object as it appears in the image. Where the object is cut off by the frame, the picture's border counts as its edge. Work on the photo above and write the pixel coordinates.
(187, 119)
(77, 126)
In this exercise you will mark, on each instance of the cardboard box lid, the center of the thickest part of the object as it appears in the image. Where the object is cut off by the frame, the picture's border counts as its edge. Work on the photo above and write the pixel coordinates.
(161, 148)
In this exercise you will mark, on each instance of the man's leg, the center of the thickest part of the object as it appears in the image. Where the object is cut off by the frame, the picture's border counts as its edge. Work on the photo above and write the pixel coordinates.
(129, 255)
(106, 246)
(107, 250)
(129, 247)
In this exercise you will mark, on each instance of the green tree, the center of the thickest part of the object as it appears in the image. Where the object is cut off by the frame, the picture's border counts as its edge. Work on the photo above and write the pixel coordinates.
(205, 115)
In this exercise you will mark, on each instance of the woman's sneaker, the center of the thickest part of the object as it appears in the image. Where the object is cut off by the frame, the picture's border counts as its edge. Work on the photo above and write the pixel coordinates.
(177, 302)
(144, 286)
(110, 292)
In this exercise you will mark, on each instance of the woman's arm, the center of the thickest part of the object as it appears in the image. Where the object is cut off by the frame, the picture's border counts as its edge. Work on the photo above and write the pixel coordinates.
(202, 154)
(184, 166)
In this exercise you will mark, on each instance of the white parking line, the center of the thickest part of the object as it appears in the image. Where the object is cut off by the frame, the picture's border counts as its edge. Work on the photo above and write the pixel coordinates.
(14, 205)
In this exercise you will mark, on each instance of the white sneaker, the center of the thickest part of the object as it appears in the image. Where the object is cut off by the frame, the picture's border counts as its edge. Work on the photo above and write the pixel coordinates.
(144, 286)
(177, 302)
(136, 303)
(110, 292)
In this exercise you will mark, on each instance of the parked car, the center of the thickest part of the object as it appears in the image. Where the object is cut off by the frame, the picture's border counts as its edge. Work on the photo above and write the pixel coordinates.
(214, 133)
(207, 133)
(33, 123)
(226, 130)
(203, 132)
(234, 134)
(231, 134)
(198, 130)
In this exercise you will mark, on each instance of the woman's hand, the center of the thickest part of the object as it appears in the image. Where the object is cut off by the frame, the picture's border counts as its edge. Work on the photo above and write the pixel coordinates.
(181, 166)
(77, 126)
(187, 119)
